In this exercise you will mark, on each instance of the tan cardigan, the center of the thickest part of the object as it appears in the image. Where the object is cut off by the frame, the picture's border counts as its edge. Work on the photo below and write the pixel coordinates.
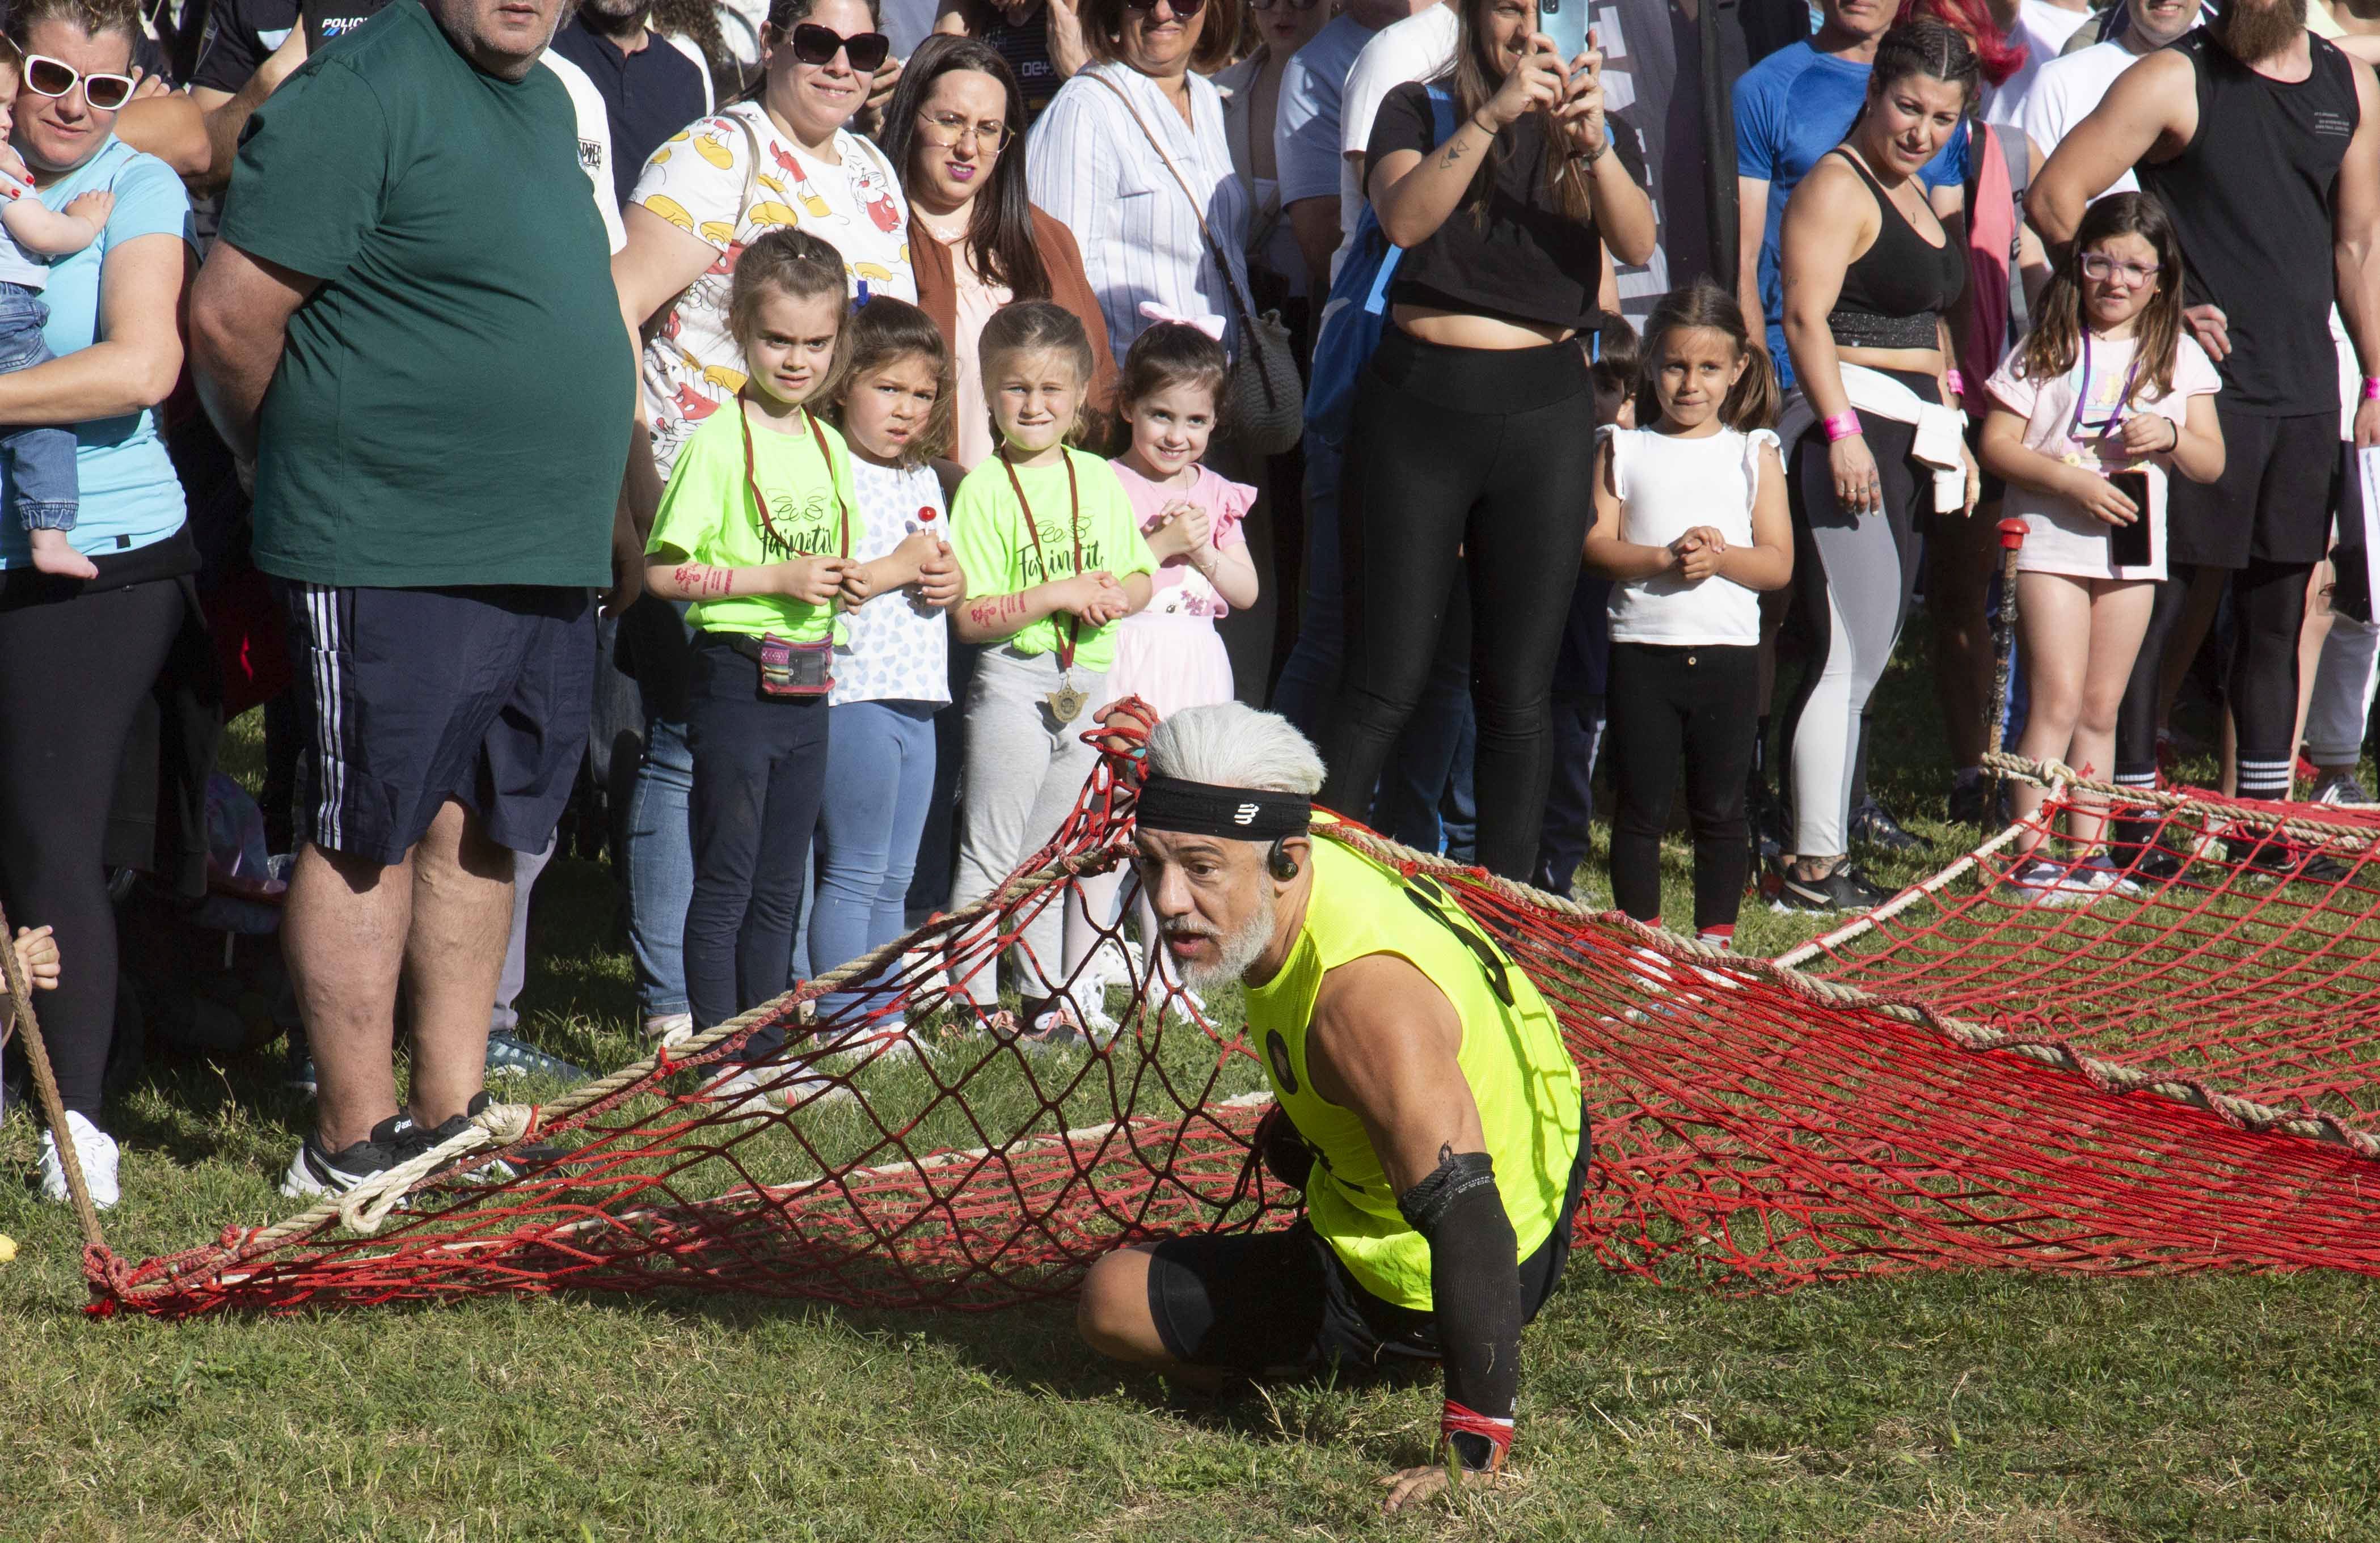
(937, 296)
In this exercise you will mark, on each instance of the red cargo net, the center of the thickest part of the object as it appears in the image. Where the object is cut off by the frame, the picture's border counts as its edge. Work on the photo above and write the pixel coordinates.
(2178, 1080)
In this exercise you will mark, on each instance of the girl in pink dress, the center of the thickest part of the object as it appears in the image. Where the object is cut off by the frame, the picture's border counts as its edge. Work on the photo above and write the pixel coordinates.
(1168, 653)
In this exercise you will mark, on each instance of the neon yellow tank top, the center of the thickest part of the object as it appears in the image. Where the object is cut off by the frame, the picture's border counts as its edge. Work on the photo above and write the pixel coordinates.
(1521, 1074)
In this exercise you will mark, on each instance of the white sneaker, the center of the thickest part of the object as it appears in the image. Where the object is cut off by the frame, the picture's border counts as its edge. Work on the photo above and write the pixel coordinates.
(767, 1090)
(664, 1028)
(2039, 881)
(97, 1151)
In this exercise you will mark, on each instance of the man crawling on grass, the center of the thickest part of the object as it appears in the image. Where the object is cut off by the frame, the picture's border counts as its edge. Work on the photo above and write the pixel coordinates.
(1427, 1106)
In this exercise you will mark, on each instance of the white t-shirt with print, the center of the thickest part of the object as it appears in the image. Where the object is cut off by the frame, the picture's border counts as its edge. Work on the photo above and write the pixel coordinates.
(893, 648)
(696, 181)
(2061, 538)
(594, 141)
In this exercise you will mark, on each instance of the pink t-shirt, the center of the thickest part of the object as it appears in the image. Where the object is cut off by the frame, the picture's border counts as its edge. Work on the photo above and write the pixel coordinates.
(1182, 590)
(2059, 536)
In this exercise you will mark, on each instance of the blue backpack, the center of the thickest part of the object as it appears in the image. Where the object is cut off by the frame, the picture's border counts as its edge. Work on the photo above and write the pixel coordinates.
(1357, 308)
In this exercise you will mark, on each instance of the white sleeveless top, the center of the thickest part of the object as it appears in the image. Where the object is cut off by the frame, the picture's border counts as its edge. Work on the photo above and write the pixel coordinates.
(1668, 486)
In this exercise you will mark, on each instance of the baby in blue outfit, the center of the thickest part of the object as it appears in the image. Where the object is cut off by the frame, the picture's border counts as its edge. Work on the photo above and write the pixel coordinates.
(39, 460)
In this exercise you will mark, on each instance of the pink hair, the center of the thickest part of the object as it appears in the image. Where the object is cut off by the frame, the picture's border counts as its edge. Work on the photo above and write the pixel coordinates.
(1995, 54)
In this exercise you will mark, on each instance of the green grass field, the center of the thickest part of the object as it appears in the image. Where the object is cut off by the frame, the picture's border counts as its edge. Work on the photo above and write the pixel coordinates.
(1985, 1407)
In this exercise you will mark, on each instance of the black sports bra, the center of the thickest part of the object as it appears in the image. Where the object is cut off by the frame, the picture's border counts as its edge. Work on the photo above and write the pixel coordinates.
(1893, 292)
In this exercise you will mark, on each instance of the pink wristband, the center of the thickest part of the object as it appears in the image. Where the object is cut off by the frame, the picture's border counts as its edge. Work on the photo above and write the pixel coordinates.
(2372, 388)
(1958, 382)
(1842, 426)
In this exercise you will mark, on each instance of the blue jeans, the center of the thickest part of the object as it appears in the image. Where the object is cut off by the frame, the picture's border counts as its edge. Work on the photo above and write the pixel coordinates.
(40, 462)
(880, 781)
(654, 640)
(660, 868)
(760, 770)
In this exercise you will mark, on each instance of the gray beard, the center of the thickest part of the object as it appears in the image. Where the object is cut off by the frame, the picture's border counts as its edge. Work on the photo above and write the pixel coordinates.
(1236, 953)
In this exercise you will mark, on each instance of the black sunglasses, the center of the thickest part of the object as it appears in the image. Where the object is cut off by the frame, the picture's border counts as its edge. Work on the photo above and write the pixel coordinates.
(814, 44)
(1179, 7)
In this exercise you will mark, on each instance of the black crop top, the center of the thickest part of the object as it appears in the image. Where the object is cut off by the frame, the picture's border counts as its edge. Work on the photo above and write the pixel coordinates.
(1527, 261)
(1894, 291)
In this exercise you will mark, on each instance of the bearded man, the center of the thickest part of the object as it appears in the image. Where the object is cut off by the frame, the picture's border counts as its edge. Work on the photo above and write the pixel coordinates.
(1427, 1105)
(2260, 140)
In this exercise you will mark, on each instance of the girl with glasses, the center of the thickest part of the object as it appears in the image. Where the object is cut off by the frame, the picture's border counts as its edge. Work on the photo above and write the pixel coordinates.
(2108, 384)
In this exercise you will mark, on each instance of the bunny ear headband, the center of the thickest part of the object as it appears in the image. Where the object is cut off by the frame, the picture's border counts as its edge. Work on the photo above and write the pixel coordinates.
(1211, 325)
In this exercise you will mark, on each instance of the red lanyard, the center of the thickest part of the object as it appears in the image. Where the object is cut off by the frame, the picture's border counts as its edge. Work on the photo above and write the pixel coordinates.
(1074, 511)
(760, 505)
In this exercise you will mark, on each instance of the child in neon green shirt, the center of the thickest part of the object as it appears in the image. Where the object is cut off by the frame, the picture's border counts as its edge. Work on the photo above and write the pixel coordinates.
(1053, 559)
(755, 529)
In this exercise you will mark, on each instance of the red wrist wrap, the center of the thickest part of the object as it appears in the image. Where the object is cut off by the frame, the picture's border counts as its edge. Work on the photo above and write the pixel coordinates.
(1459, 1421)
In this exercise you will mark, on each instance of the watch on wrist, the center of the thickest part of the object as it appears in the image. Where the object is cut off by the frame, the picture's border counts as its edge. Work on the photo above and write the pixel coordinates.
(1589, 157)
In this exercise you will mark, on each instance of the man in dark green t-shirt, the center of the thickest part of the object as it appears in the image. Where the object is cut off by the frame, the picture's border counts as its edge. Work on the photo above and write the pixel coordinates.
(408, 321)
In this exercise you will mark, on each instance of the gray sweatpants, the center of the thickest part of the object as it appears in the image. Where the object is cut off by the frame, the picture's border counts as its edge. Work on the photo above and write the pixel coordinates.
(1024, 772)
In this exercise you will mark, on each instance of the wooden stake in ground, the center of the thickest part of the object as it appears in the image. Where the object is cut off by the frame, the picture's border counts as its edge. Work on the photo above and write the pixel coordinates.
(29, 1031)
(2012, 541)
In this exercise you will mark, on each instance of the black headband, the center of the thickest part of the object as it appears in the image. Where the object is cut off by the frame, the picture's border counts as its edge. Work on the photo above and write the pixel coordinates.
(1231, 813)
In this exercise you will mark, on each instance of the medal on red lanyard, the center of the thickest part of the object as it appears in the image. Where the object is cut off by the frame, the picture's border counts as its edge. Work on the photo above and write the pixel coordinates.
(1066, 704)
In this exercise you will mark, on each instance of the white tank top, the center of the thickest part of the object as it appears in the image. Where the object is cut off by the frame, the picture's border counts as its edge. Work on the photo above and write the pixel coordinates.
(1668, 486)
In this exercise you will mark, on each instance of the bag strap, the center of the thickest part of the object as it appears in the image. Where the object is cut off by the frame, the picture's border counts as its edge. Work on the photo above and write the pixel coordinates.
(1239, 303)
(1441, 114)
(751, 170)
(2016, 156)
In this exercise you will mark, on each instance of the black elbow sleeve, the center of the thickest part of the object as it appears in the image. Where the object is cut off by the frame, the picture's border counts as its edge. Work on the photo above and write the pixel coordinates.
(1475, 1291)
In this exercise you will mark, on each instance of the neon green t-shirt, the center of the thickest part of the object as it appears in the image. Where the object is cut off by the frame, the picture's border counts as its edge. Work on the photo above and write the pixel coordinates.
(989, 537)
(706, 514)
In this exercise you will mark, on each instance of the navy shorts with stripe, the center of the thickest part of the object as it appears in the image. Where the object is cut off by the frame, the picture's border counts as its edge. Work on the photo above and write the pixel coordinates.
(479, 694)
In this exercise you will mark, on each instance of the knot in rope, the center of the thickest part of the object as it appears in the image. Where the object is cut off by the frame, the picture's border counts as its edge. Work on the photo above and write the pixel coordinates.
(364, 1207)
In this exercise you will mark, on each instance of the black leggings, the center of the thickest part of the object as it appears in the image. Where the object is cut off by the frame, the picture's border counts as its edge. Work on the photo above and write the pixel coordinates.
(1489, 455)
(2259, 678)
(76, 671)
(1695, 702)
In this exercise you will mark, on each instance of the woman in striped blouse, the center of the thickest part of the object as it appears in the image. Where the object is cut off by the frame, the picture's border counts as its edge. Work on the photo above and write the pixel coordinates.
(1093, 162)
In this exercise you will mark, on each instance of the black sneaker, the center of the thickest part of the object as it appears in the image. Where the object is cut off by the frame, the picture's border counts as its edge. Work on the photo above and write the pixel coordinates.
(2270, 855)
(411, 1140)
(1843, 890)
(1972, 803)
(2132, 846)
(316, 1170)
(1874, 825)
(1766, 818)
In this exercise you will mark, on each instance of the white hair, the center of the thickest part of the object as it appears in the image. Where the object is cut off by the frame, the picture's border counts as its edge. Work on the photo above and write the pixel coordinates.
(1233, 744)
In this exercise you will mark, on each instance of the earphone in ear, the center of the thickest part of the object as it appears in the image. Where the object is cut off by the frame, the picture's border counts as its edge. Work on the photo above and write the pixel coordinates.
(1281, 864)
